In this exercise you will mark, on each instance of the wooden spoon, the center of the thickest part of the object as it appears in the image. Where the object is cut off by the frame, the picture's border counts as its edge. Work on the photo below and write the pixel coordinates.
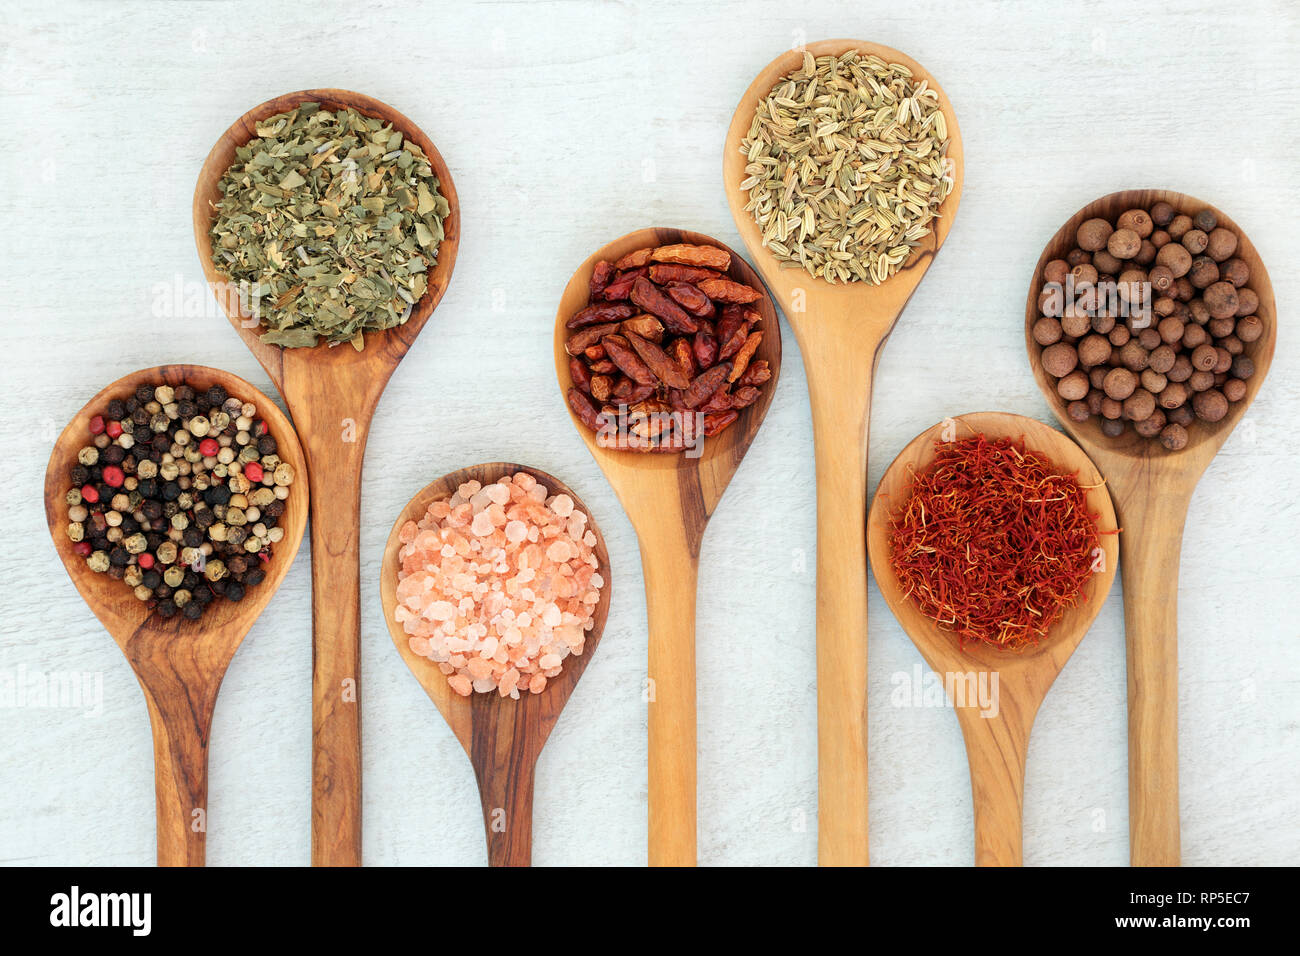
(332, 394)
(841, 329)
(1152, 489)
(669, 499)
(995, 744)
(502, 737)
(179, 663)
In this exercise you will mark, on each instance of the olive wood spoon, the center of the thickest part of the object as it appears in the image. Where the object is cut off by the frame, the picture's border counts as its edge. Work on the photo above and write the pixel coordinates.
(1152, 488)
(179, 663)
(332, 394)
(996, 744)
(669, 498)
(841, 329)
(503, 737)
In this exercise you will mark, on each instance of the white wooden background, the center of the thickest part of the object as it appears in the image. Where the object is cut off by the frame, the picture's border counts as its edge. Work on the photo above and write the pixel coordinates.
(567, 124)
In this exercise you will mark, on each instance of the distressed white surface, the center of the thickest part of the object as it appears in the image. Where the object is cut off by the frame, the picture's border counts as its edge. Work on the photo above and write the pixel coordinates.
(566, 125)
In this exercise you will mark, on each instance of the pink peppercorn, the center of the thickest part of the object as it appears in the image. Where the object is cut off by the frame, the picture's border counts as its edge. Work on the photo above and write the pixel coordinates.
(209, 447)
(113, 476)
(82, 548)
(145, 560)
(253, 471)
(97, 425)
(113, 429)
(89, 493)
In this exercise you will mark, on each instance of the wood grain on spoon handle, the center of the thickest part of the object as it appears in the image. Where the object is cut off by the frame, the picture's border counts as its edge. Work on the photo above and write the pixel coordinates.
(996, 746)
(670, 563)
(1149, 556)
(504, 754)
(839, 386)
(181, 728)
(333, 413)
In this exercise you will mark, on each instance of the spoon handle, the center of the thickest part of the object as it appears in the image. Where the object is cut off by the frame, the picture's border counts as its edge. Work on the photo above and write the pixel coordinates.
(997, 740)
(839, 387)
(1150, 544)
(506, 792)
(180, 761)
(335, 446)
(670, 561)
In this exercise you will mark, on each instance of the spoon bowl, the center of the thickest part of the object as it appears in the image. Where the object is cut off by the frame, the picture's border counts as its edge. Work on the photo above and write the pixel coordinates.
(841, 329)
(180, 663)
(332, 394)
(669, 498)
(1152, 488)
(995, 744)
(503, 737)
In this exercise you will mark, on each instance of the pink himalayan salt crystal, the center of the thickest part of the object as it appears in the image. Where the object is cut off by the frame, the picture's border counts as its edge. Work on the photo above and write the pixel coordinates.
(498, 584)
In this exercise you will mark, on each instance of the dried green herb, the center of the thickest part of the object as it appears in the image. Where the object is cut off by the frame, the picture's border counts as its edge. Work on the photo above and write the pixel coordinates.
(333, 219)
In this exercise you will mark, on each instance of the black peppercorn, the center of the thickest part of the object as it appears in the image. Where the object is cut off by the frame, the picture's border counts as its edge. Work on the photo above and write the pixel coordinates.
(254, 577)
(151, 579)
(148, 488)
(183, 393)
(192, 537)
(167, 608)
(79, 474)
(186, 410)
(218, 586)
(217, 495)
(192, 610)
(129, 525)
(171, 491)
(204, 519)
(216, 396)
(234, 591)
(142, 434)
(266, 445)
(113, 455)
(144, 394)
(116, 409)
(116, 571)
(163, 591)
(119, 557)
(160, 444)
(203, 594)
(274, 509)
(190, 580)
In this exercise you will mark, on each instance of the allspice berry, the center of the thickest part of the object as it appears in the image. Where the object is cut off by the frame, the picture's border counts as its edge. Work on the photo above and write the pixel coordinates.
(1139, 406)
(1222, 244)
(1119, 384)
(1221, 300)
(1059, 360)
(1153, 381)
(1175, 258)
(1182, 415)
(1174, 394)
(1133, 356)
(1161, 359)
(1234, 389)
(1136, 220)
(1123, 243)
(1204, 272)
(1247, 302)
(1093, 234)
(1094, 350)
(1236, 272)
(1046, 331)
(1173, 437)
(1250, 328)
(1162, 214)
(1204, 357)
(1151, 426)
(1078, 411)
(1056, 271)
(1243, 367)
(1195, 241)
(1073, 386)
(1179, 227)
(1106, 263)
(1205, 220)
(1210, 405)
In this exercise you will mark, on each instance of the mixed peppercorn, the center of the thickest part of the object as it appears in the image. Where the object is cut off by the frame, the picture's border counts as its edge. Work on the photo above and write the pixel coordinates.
(179, 494)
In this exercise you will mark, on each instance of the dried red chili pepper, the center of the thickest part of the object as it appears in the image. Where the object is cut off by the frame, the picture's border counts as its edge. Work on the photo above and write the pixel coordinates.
(651, 298)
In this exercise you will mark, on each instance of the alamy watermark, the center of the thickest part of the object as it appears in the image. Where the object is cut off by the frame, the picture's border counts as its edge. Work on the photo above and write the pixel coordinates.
(66, 690)
(921, 687)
